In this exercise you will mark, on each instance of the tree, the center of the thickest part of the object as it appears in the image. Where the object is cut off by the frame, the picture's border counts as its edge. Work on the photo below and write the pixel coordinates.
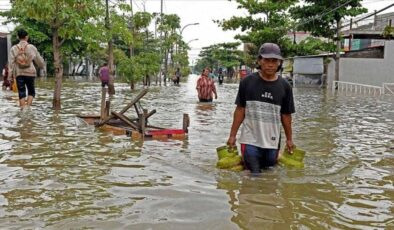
(168, 24)
(310, 46)
(268, 21)
(221, 55)
(320, 17)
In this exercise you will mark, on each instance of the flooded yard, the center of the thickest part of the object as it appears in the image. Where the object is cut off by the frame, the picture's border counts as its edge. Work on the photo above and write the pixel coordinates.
(58, 173)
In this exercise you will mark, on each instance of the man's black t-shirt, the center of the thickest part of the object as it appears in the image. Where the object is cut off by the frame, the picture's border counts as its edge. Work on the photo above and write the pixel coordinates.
(264, 102)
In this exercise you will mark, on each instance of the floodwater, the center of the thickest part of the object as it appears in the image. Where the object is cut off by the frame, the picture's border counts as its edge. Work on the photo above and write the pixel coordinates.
(58, 173)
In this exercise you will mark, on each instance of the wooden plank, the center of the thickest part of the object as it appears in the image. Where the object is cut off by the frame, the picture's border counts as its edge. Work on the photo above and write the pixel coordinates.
(88, 116)
(125, 119)
(147, 115)
(135, 135)
(150, 113)
(102, 109)
(107, 108)
(128, 106)
(186, 122)
(114, 130)
(136, 110)
(142, 124)
(154, 127)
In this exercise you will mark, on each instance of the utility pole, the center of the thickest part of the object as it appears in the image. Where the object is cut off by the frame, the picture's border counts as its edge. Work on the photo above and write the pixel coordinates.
(164, 74)
(338, 53)
(131, 50)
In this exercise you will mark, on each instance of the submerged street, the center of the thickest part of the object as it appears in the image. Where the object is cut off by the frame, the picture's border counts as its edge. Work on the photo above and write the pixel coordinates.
(56, 172)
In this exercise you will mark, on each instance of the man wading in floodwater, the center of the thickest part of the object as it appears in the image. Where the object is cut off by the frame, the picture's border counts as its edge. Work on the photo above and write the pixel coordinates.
(22, 69)
(264, 101)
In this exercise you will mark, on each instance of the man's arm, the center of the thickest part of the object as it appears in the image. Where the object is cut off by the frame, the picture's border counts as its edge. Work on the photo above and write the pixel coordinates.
(198, 87)
(38, 59)
(214, 90)
(286, 123)
(198, 84)
(239, 116)
(11, 65)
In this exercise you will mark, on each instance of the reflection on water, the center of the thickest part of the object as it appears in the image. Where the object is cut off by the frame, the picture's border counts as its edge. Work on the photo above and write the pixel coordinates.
(57, 172)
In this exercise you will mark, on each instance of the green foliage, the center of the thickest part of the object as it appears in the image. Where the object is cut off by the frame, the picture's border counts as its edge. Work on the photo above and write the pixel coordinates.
(310, 46)
(68, 19)
(268, 21)
(319, 16)
(388, 32)
(142, 20)
(220, 55)
(68, 16)
(169, 22)
(135, 68)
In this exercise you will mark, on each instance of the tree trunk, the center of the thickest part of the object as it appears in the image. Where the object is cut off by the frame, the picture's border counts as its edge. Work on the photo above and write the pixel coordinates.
(111, 86)
(57, 61)
(87, 68)
(165, 66)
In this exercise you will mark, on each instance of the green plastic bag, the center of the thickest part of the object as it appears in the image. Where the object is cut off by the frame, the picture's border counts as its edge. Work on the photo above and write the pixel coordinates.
(225, 151)
(229, 162)
(292, 160)
(229, 159)
(237, 168)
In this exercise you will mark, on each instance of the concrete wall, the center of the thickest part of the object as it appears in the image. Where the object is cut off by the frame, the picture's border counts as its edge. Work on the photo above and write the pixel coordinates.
(369, 71)
(308, 65)
(308, 71)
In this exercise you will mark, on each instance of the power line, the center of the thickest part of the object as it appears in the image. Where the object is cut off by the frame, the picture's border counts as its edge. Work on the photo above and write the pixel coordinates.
(369, 15)
(324, 14)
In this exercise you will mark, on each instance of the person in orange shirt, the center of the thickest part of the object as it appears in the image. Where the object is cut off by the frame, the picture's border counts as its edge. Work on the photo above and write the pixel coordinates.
(206, 87)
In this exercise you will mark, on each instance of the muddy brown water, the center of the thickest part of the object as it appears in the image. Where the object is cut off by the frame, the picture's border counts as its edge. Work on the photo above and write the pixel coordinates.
(58, 173)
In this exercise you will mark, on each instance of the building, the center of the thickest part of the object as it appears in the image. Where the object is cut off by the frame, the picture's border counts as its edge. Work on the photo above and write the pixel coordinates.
(5, 46)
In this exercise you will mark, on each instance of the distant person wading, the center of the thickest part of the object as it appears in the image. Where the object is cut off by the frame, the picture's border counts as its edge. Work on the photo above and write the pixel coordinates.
(206, 87)
(104, 75)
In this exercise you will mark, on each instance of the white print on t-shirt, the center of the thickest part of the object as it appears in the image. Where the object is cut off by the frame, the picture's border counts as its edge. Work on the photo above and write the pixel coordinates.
(267, 95)
(261, 126)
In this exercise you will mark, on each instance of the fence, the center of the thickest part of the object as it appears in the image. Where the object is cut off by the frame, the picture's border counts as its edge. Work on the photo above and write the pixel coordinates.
(357, 88)
(388, 88)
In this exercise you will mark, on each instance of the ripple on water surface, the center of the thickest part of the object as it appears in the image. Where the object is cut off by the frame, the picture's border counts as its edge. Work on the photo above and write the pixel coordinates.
(57, 172)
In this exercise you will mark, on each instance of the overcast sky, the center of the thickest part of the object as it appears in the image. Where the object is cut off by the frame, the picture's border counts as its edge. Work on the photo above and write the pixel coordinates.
(203, 12)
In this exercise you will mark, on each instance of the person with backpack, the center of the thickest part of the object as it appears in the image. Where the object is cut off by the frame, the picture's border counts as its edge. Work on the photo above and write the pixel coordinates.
(22, 69)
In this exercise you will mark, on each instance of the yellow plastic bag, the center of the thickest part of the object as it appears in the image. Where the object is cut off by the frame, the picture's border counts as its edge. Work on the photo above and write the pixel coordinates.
(14, 87)
(295, 160)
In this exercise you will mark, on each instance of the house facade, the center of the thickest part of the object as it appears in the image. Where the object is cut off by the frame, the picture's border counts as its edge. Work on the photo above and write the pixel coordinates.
(368, 71)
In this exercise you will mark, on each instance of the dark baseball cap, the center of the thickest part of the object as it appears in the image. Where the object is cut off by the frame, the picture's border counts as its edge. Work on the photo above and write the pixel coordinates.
(270, 50)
